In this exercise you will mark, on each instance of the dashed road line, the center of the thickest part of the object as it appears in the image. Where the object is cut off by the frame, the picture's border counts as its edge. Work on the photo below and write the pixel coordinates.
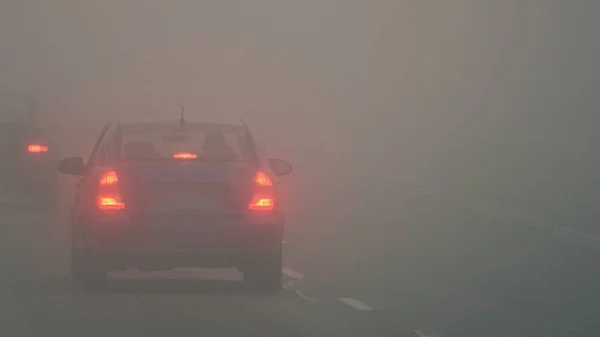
(295, 277)
(291, 273)
(303, 295)
(473, 206)
(354, 303)
(420, 334)
(564, 229)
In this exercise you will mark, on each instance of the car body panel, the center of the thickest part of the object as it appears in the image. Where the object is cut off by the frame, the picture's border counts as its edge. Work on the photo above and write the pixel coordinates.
(155, 233)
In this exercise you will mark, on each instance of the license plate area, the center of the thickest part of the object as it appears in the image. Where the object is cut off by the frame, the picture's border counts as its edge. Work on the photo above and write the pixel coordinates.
(187, 197)
(190, 240)
(175, 236)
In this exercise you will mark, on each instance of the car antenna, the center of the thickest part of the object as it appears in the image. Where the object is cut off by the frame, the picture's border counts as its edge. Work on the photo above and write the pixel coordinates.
(182, 119)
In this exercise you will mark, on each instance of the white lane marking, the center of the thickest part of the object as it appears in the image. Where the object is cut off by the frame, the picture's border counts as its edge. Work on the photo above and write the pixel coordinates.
(524, 219)
(566, 230)
(420, 334)
(304, 296)
(291, 285)
(291, 273)
(578, 233)
(473, 206)
(354, 303)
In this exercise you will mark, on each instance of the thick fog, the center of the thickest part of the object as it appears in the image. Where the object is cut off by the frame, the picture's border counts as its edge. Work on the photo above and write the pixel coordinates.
(493, 100)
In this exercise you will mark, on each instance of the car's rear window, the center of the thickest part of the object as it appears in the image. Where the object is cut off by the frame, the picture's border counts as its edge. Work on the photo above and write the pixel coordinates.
(193, 142)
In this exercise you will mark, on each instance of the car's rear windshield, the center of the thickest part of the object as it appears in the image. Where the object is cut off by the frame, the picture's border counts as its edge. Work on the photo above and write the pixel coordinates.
(198, 142)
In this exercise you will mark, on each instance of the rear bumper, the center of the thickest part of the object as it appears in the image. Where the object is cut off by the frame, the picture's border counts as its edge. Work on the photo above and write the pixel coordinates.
(172, 258)
(166, 245)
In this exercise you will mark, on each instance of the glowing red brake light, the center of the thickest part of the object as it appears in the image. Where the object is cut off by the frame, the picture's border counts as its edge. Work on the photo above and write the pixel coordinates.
(109, 178)
(262, 203)
(263, 180)
(263, 198)
(185, 155)
(37, 148)
(109, 196)
(105, 202)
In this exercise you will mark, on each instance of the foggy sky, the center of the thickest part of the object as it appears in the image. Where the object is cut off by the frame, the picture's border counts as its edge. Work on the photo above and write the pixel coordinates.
(475, 94)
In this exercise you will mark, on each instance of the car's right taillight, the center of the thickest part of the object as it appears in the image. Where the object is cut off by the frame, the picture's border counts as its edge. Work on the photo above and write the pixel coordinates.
(263, 198)
(109, 196)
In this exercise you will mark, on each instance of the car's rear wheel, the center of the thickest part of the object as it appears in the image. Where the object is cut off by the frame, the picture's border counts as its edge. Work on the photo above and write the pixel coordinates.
(266, 274)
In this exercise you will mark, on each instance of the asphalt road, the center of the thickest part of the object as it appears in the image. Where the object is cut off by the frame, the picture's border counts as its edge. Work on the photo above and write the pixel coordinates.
(431, 266)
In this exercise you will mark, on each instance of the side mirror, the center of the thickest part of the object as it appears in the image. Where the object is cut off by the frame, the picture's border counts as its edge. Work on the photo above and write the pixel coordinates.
(280, 167)
(72, 166)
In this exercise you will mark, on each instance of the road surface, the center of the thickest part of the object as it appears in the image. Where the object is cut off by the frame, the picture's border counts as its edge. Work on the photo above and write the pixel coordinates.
(435, 267)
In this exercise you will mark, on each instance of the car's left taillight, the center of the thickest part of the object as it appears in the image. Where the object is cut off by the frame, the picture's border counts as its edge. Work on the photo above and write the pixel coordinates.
(37, 148)
(263, 198)
(109, 195)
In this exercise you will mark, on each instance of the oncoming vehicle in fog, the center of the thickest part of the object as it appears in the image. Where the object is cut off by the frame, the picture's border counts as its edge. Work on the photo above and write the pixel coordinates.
(27, 154)
(162, 194)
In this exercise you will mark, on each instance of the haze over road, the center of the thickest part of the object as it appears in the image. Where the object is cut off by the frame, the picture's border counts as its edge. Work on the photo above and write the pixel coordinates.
(445, 161)
(438, 269)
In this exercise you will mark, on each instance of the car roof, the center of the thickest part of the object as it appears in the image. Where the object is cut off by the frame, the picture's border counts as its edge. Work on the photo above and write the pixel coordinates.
(189, 119)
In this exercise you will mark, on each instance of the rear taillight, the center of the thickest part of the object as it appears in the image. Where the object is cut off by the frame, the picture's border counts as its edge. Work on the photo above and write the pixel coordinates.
(109, 196)
(263, 198)
(37, 148)
(185, 155)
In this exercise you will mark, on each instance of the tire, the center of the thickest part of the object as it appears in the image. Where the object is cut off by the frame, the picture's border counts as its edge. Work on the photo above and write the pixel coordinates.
(266, 275)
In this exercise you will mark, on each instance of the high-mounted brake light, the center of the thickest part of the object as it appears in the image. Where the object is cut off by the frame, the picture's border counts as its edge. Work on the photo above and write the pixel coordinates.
(263, 198)
(109, 196)
(185, 155)
(37, 148)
